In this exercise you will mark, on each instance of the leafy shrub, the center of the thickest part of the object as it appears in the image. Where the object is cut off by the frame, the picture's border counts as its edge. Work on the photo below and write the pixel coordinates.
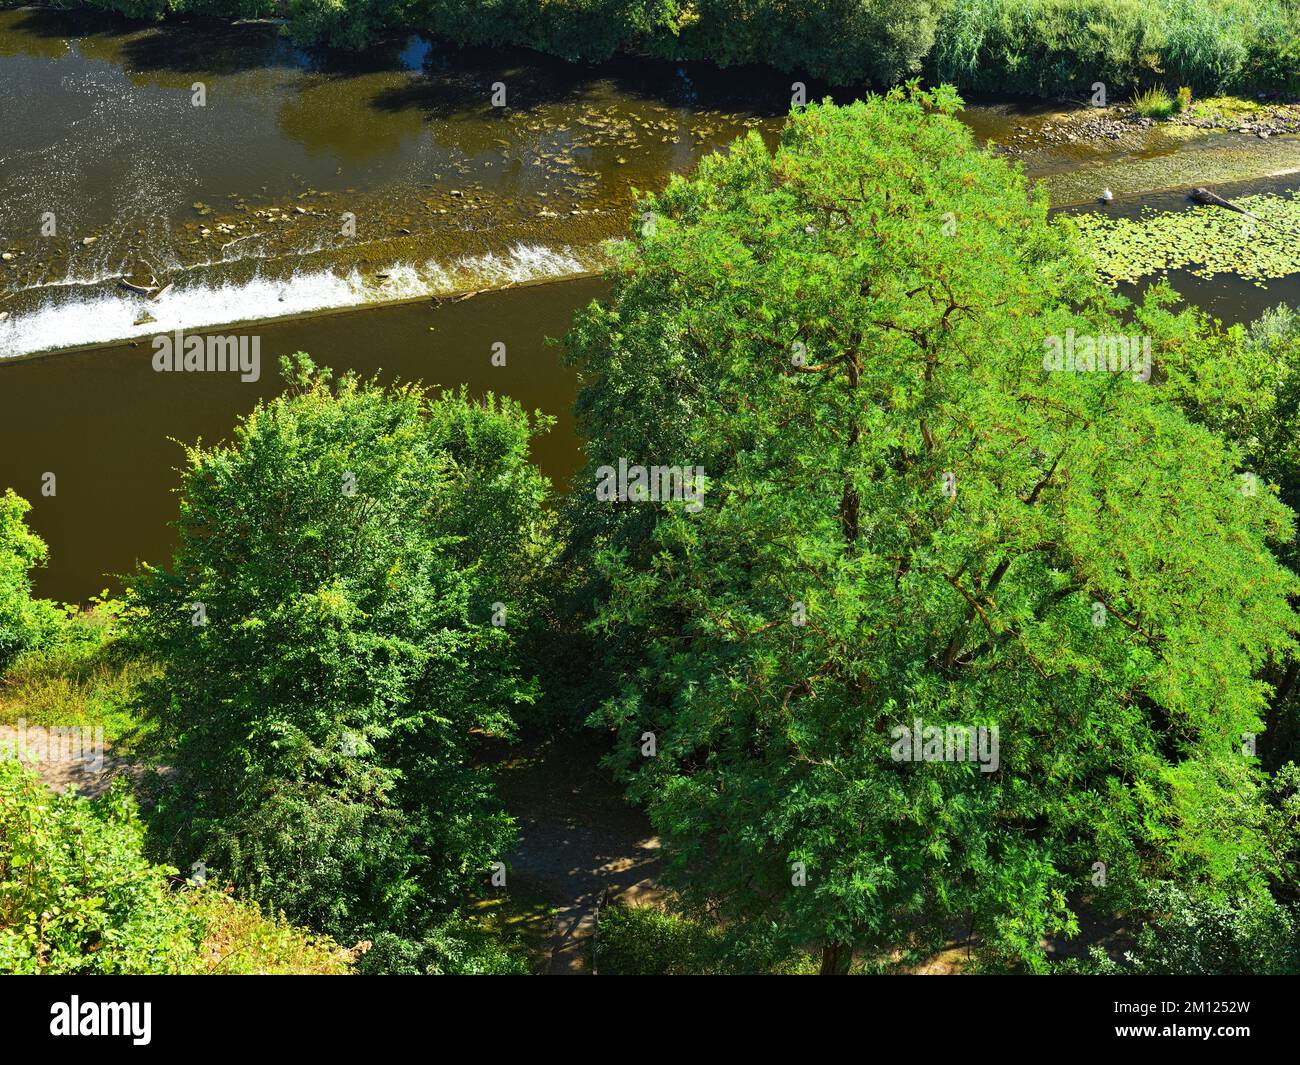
(644, 941)
(1041, 46)
(343, 23)
(25, 622)
(843, 41)
(1192, 935)
(348, 550)
(647, 941)
(77, 894)
(237, 939)
(86, 676)
(1216, 937)
(457, 947)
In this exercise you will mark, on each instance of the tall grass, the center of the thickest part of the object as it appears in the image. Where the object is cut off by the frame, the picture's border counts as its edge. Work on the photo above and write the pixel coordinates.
(1154, 103)
(1054, 46)
(87, 678)
(1048, 47)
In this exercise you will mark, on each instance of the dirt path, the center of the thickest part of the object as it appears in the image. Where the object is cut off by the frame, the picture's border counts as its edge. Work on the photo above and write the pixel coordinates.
(62, 762)
(577, 837)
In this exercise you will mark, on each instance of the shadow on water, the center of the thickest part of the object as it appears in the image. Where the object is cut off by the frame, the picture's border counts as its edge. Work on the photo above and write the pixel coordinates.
(460, 77)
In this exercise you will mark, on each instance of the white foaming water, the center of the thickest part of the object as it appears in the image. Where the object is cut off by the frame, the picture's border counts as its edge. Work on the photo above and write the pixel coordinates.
(68, 321)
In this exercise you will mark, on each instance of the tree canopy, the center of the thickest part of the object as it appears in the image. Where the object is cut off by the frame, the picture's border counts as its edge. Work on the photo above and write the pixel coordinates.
(337, 628)
(910, 517)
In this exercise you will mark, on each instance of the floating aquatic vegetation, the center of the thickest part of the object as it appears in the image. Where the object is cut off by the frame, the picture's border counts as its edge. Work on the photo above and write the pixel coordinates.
(1205, 241)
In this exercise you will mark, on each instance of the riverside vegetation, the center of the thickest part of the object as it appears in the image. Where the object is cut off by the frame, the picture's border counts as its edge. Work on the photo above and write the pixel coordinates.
(906, 516)
(1046, 47)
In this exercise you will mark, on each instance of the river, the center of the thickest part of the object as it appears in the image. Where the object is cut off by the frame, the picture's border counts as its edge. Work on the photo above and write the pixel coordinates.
(348, 205)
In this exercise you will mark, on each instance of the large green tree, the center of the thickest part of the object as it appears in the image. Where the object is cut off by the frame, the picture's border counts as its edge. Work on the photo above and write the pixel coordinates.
(910, 517)
(337, 628)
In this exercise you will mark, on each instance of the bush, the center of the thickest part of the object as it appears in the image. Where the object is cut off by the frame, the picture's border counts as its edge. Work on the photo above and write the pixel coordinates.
(86, 676)
(843, 41)
(25, 622)
(1216, 937)
(330, 647)
(456, 948)
(237, 939)
(77, 894)
(1053, 46)
(1048, 47)
(1154, 103)
(1190, 935)
(646, 941)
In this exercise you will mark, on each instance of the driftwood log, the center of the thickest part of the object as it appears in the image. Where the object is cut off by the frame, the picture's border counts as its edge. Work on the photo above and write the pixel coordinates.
(1213, 199)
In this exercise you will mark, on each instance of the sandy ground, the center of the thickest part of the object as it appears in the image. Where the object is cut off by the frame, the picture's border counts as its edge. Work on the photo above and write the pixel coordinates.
(89, 769)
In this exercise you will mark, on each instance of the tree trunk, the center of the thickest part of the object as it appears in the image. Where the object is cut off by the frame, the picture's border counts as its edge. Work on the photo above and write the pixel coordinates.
(836, 959)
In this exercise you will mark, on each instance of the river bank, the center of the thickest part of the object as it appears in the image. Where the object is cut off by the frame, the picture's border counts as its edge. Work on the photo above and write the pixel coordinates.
(1031, 46)
(233, 216)
(312, 180)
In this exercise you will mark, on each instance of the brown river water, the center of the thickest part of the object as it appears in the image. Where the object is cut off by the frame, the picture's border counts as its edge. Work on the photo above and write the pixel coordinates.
(342, 205)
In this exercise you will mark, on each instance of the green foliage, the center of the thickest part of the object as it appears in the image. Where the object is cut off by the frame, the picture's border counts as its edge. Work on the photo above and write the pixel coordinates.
(1199, 936)
(1040, 46)
(644, 941)
(86, 676)
(1154, 103)
(459, 947)
(1241, 381)
(843, 41)
(25, 622)
(812, 328)
(237, 939)
(77, 894)
(320, 724)
(1047, 46)
(344, 23)
(647, 941)
(1244, 383)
